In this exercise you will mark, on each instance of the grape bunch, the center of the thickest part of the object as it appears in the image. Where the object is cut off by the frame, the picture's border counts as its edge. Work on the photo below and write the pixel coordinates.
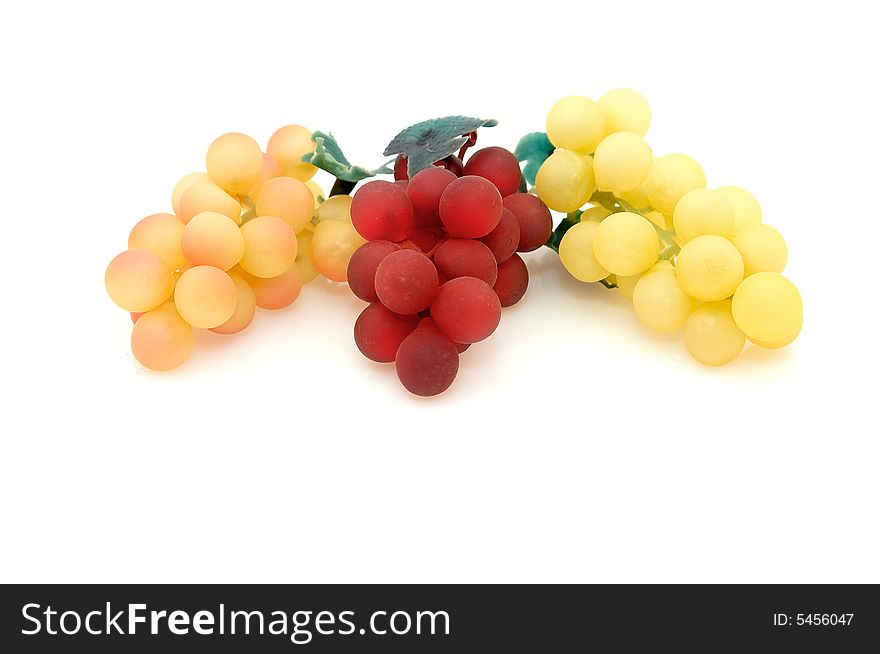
(688, 257)
(441, 261)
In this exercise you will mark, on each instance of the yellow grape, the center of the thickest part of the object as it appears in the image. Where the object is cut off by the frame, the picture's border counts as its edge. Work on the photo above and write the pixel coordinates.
(317, 192)
(212, 239)
(709, 268)
(287, 146)
(275, 292)
(288, 199)
(636, 197)
(663, 222)
(625, 110)
(660, 303)
(627, 283)
(768, 308)
(701, 212)
(245, 305)
(271, 170)
(763, 249)
(205, 297)
(711, 335)
(138, 280)
(161, 339)
(622, 162)
(576, 253)
(307, 270)
(576, 123)
(184, 183)
(336, 208)
(270, 246)
(161, 234)
(207, 196)
(565, 180)
(626, 243)
(234, 162)
(595, 214)
(670, 178)
(746, 210)
(333, 243)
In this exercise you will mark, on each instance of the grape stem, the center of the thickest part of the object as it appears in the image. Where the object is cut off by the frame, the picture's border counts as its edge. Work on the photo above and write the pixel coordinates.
(471, 140)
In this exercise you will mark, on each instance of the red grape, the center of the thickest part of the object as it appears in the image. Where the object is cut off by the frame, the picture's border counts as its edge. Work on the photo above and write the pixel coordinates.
(424, 239)
(427, 362)
(470, 207)
(406, 281)
(452, 164)
(466, 309)
(427, 323)
(381, 210)
(362, 268)
(424, 191)
(513, 280)
(504, 239)
(378, 332)
(461, 257)
(497, 165)
(535, 222)
(402, 183)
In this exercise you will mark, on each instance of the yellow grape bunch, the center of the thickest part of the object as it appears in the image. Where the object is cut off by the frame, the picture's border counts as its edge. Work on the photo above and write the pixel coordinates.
(246, 232)
(691, 259)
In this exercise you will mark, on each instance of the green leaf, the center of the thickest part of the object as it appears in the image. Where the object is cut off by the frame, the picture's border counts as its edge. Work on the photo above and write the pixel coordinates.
(431, 140)
(533, 148)
(328, 156)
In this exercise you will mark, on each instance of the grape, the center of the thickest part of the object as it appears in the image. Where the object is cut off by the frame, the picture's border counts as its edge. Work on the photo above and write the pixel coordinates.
(424, 191)
(746, 210)
(212, 239)
(451, 163)
(234, 163)
(660, 303)
(406, 281)
(466, 309)
(535, 221)
(287, 146)
(333, 244)
(512, 282)
(701, 212)
(626, 284)
(161, 234)
(423, 239)
(638, 198)
(138, 280)
(362, 268)
(575, 123)
(626, 243)
(317, 193)
(161, 339)
(135, 315)
(275, 292)
(768, 308)
(182, 185)
(625, 110)
(595, 214)
(576, 253)
(307, 270)
(288, 199)
(670, 178)
(709, 268)
(245, 306)
(205, 297)
(458, 257)
(378, 332)
(470, 207)
(497, 165)
(382, 211)
(402, 183)
(336, 208)
(504, 239)
(271, 170)
(663, 222)
(565, 181)
(207, 196)
(427, 323)
(763, 249)
(426, 362)
(711, 335)
(270, 246)
(622, 162)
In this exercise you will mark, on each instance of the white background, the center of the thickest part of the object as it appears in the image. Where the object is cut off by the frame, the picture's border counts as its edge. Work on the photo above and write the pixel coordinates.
(574, 445)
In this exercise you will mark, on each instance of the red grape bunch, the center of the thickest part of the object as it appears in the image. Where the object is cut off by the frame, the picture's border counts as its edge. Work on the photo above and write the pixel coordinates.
(441, 261)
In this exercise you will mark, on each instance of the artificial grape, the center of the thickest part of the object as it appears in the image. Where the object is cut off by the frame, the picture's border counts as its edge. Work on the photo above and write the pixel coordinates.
(451, 163)
(466, 309)
(595, 214)
(212, 239)
(287, 146)
(317, 193)
(161, 339)
(182, 185)
(625, 110)
(622, 162)
(701, 212)
(768, 308)
(234, 163)
(626, 284)
(205, 297)
(379, 332)
(576, 253)
(307, 270)
(424, 191)
(402, 183)
(535, 221)
(497, 165)
(663, 222)
(207, 196)
(161, 234)
(670, 178)
(512, 282)
(576, 123)
(746, 210)
(275, 292)
(638, 198)
(288, 199)
(245, 306)
(565, 181)
(460, 257)
(763, 249)
(709, 268)
(423, 239)
(382, 211)
(362, 268)
(470, 207)
(660, 303)
(626, 243)
(406, 281)
(426, 362)
(138, 280)
(135, 315)
(504, 239)
(336, 208)
(333, 244)
(270, 246)
(271, 170)
(711, 335)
